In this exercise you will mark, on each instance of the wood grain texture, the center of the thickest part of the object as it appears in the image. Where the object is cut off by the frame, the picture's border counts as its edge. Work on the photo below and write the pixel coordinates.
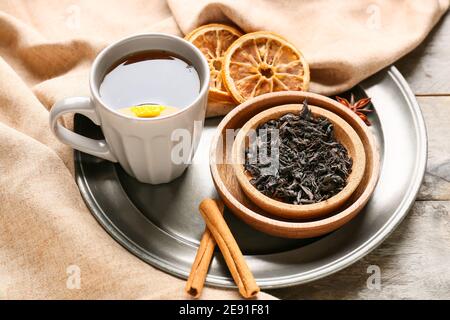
(436, 111)
(427, 67)
(414, 261)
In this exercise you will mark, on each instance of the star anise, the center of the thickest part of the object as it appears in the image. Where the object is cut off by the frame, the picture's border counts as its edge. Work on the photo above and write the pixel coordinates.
(357, 107)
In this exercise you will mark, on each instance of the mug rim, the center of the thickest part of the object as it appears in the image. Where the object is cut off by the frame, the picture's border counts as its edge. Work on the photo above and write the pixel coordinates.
(203, 90)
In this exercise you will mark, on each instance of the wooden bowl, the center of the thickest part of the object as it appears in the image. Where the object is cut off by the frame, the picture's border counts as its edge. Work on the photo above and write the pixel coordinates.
(235, 199)
(344, 134)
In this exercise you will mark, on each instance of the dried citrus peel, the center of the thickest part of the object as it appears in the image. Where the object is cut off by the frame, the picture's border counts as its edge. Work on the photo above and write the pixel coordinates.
(213, 40)
(147, 110)
(263, 62)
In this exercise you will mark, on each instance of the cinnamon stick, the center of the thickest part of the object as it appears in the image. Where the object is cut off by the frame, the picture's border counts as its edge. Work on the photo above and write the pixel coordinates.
(234, 259)
(199, 270)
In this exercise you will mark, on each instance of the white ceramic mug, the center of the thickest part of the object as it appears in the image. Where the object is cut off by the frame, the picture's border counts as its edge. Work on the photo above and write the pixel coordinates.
(143, 146)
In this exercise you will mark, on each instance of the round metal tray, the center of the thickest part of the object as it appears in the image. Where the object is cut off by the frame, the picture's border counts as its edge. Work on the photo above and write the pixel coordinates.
(162, 226)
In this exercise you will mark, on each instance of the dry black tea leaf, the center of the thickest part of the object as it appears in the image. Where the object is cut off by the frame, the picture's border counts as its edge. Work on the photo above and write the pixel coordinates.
(311, 165)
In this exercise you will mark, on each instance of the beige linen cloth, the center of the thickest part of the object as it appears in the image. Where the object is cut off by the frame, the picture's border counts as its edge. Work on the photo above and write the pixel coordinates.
(46, 232)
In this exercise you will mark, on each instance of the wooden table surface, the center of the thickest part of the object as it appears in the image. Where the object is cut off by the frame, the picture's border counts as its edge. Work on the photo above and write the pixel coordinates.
(414, 262)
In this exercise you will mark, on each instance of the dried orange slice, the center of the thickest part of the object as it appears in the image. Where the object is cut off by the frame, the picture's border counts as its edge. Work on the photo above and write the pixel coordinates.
(262, 62)
(213, 40)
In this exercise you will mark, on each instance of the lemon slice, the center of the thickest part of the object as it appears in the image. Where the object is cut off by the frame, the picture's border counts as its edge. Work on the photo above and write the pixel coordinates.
(148, 110)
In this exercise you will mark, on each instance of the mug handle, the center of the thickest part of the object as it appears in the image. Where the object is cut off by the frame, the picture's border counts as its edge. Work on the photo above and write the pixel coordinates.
(84, 106)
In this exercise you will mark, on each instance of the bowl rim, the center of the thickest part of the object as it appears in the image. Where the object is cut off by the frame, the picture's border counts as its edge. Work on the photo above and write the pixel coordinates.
(292, 229)
(292, 211)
